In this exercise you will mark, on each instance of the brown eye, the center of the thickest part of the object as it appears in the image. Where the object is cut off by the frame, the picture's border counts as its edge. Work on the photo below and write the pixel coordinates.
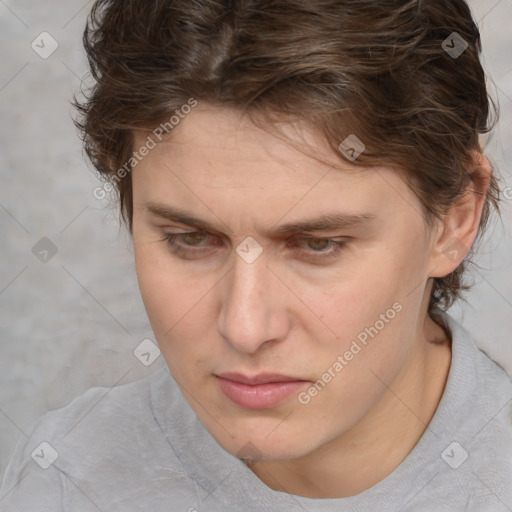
(319, 244)
(192, 239)
(193, 245)
(317, 248)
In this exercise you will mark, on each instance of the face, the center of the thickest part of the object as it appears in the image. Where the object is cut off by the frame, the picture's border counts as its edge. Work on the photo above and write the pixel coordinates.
(278, 318)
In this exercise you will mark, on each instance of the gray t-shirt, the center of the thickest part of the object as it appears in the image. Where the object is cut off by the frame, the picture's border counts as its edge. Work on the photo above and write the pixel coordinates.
(140, 447)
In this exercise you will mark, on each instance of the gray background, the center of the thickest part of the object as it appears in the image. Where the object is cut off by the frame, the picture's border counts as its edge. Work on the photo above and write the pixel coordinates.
(74, 321)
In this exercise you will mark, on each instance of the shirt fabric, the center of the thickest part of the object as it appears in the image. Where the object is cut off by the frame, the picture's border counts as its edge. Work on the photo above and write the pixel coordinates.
(140, 447)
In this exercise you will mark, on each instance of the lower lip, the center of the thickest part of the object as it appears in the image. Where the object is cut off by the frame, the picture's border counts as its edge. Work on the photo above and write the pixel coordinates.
(261, 396)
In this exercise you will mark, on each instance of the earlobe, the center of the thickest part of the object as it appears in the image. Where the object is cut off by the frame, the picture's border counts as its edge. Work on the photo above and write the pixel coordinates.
(459, 227)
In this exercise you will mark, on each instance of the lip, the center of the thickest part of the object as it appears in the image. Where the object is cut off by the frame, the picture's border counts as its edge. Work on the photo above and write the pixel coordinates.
(261, 391)
(260, 378)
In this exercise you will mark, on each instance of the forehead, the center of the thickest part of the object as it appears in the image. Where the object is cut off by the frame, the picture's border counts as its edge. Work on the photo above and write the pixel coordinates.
(226, 139)
(218, 156)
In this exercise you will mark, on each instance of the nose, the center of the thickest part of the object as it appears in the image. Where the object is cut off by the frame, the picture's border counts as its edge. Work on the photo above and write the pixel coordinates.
(253, 308)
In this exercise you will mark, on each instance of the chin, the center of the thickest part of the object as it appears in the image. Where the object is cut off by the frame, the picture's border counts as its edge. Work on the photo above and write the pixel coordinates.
(264, 447)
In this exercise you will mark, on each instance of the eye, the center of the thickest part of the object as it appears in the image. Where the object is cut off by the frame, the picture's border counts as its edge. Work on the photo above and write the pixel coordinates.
(190, 239)
(195, 244)
(320, 247)
(190, 245)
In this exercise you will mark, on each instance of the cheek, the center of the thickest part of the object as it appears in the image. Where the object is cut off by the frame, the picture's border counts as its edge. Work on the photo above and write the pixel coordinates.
(349, 303)
(166, 294)
(370, 318)
(179, 308)
(169, 299)
(364, 316)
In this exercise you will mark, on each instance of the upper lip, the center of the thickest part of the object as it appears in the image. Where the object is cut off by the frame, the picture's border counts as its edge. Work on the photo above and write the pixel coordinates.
(261, 378)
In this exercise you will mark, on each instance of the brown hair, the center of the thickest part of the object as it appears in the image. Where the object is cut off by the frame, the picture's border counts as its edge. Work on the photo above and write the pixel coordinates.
(378, 70)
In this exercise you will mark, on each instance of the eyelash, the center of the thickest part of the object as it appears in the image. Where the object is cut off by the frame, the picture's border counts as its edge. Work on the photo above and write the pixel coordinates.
(180, 250)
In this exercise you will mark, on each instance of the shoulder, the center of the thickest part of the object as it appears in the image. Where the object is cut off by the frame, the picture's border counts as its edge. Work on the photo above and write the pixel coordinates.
(485, 429)
(103, 445)
(471, 358)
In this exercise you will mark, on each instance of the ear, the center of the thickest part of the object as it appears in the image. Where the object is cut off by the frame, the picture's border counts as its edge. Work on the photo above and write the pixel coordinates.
(458, 230)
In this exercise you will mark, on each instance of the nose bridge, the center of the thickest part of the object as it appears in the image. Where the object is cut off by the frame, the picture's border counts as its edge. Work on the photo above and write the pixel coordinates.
(249, 316)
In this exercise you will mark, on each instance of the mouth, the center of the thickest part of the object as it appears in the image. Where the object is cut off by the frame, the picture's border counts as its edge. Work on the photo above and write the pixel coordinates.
(262, 391)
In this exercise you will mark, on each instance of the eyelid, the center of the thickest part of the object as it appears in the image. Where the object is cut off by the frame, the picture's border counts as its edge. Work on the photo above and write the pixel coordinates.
(186, 229)
(298, 236)
(315, 257)
(304, 234)
(295, 237)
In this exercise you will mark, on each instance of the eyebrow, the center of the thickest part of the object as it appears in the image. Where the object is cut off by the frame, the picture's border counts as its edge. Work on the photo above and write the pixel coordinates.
(326, 222)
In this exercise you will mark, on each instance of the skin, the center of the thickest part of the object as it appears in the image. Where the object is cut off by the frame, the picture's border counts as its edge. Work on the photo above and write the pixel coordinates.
(289, 312)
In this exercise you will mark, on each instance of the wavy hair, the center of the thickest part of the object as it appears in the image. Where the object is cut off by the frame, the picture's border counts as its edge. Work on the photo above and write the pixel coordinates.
(378, 70)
